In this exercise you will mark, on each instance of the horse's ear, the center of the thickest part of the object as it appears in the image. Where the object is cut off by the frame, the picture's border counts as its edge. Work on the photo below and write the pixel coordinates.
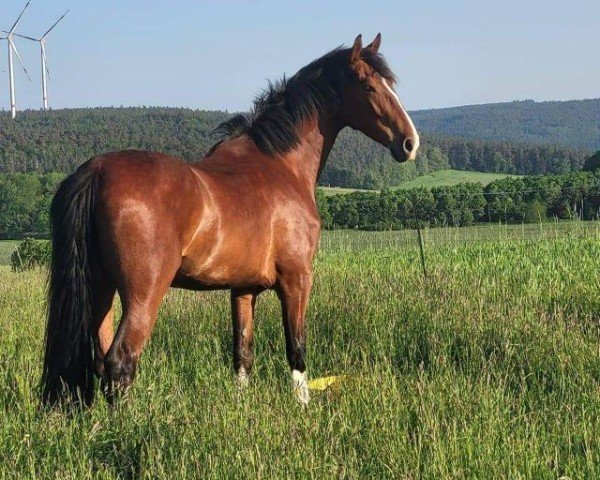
(374, 45)
(356, 48)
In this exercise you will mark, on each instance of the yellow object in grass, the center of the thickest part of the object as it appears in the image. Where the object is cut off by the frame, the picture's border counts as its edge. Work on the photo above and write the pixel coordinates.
(324, 383)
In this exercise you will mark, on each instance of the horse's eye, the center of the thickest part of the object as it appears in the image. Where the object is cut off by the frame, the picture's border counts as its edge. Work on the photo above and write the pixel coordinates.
(369, 88)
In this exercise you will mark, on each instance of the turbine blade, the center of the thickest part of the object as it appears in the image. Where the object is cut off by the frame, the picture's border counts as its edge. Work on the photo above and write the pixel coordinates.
(12, 29)
(14, 49)
(25, 36)
(55, 24)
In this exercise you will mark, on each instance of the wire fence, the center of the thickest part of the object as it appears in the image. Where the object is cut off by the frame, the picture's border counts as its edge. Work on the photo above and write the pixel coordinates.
(356, 241)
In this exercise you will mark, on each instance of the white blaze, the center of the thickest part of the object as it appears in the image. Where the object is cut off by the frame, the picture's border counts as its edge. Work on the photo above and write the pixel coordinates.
(413, 135)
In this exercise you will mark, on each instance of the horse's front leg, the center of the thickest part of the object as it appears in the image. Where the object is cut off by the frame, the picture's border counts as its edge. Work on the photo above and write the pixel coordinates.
(242, 311)
(293, 290)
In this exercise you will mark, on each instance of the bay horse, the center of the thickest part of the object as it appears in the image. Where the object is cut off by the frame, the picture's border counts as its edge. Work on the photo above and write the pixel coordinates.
(244, 218)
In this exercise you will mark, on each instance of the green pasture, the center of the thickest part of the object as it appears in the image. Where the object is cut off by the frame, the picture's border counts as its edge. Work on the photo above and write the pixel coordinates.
(6, 249)
(489, 368)
(439, 178)
(445, 178)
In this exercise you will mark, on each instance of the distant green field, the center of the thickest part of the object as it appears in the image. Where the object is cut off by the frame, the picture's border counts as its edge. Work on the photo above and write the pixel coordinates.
(6, 249)
(329, 191)
(443, 178)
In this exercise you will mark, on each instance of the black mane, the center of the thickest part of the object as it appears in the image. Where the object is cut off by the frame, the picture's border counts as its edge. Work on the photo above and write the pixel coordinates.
(277, 111)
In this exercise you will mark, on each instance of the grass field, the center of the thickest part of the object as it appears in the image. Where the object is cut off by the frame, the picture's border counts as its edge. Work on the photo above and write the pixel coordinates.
(329, 191)
(441, 178)
(6, 249)
(490, 368)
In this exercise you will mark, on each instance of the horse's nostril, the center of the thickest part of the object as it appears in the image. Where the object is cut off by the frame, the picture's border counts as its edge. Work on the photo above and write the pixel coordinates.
(408, 145)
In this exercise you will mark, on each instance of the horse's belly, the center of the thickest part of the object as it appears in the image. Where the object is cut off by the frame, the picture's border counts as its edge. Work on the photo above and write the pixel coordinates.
(224, 269)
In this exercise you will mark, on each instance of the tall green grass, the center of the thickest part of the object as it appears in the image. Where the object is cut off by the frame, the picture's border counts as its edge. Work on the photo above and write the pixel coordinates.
(490, 368)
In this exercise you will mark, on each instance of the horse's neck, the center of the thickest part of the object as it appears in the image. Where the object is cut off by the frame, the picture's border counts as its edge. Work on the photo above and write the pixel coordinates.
(307, 160)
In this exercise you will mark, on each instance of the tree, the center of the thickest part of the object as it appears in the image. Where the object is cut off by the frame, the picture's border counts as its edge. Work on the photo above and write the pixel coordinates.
(592, 163)
(19, 194)
(535, 211)
(323, 208)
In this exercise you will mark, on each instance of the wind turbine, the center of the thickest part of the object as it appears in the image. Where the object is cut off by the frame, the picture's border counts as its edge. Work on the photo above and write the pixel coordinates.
(12, 48)
(45, 71)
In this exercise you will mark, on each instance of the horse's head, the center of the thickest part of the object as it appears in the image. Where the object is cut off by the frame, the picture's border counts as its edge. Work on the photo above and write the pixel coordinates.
(369, 103)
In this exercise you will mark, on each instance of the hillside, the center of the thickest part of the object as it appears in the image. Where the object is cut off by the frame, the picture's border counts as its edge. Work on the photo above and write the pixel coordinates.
(58, 141)
(574, 123)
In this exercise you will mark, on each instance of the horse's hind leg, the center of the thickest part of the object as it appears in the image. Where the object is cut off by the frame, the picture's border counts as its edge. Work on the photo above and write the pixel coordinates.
(139, 317)
(141, 292)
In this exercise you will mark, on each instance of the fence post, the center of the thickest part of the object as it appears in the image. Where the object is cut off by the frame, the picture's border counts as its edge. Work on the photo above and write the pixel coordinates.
(420, 237)
(19, 256)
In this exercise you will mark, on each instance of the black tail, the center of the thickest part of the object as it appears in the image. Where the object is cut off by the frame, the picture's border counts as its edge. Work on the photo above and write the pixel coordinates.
(68, 361)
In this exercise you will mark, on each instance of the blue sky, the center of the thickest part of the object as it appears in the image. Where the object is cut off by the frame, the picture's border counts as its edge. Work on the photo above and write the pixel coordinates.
(217, 55)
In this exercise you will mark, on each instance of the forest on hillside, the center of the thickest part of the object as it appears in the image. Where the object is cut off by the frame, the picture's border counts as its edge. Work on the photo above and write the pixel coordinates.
(573, 123)
(58, 141)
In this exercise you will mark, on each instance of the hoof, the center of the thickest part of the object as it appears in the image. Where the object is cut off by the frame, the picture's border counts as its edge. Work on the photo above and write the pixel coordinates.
(99, 368)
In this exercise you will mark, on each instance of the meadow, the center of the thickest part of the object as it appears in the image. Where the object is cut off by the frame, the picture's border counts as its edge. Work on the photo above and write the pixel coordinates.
(449, 177)
(487, 368)
(438, 178)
